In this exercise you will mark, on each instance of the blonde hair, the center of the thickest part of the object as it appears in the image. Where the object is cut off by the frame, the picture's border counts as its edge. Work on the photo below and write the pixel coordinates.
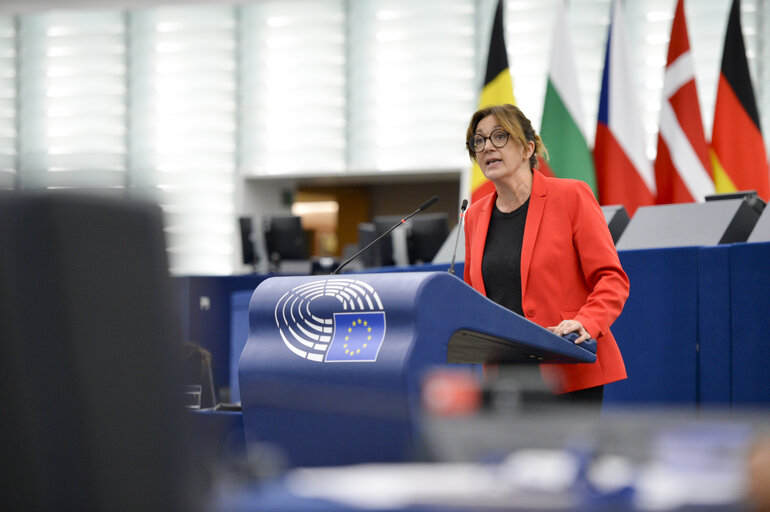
(512, 120)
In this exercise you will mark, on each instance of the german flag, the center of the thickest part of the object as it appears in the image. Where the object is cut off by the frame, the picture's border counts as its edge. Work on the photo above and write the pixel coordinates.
(737, 149)
(498, 89)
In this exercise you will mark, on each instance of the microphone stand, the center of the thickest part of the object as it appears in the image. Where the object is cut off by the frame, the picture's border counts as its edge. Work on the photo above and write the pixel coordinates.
(457, 236)
(422, 207)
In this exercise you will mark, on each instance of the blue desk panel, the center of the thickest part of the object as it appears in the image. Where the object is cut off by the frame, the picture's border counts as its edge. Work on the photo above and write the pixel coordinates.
(714, 372)
(657, 332)
(750, 301)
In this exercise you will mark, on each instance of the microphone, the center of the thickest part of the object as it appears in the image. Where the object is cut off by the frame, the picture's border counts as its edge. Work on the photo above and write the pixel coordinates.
(422, 207)
(457, 237)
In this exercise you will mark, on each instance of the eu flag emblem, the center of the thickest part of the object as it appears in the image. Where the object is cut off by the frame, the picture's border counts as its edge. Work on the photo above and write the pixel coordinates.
(357, 336)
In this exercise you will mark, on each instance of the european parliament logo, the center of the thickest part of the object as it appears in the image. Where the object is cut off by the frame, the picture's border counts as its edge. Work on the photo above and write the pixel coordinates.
(332, 320)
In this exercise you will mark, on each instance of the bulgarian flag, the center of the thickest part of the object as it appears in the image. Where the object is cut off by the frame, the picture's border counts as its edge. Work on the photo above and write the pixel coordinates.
(682, 167)
(498, 89)
(562, 129)
(624, 174)
(737, 149)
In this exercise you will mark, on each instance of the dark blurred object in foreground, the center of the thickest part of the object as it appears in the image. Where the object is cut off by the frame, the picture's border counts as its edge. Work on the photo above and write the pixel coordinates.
(90, 391)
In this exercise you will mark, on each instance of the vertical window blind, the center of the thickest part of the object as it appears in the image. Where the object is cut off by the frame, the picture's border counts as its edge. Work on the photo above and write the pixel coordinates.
(292, 88)
(183, 129)
(180, 104)
(411, 69)
(8, 118)
(72, 100)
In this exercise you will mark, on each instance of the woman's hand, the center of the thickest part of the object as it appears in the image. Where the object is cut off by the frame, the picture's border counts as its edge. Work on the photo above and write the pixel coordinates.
(567, 326)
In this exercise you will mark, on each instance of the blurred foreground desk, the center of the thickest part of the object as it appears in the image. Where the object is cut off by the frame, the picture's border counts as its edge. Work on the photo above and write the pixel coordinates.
(332, 368)
(642, 460)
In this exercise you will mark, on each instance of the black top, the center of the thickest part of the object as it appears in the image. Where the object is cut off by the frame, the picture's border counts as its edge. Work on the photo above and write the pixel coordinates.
(501, 264)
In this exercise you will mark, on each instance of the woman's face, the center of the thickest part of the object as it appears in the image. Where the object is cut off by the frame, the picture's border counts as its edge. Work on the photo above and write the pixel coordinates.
(499, 163)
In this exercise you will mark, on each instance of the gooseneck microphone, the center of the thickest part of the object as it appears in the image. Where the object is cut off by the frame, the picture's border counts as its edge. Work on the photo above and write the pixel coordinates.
(457, 236)
(422, 207)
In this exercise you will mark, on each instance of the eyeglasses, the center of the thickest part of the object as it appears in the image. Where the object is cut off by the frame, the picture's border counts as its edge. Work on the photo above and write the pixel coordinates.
(498, 138)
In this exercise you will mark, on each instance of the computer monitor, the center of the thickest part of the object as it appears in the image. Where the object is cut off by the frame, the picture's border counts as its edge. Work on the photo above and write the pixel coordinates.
(617, 219)
(392, 249)
(427, 232)
(285, 238)
(384, 248)
(248, 247)
(367, 233)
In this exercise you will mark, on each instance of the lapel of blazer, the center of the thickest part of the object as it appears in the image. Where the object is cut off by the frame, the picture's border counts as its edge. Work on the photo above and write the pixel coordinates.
(532, 226)
(480, 235)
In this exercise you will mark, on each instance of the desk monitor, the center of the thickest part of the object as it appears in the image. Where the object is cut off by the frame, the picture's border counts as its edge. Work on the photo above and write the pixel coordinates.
(367, 233)
(248, 247)
(427, 233)
(389, 250)
(617, 219)
(384, 247)
(285, 238)
(392, 249)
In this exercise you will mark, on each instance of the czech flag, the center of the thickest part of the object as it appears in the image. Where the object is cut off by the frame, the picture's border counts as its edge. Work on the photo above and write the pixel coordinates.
(624, 174)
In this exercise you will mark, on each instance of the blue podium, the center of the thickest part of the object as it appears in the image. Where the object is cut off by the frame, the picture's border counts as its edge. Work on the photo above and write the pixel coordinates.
(332, 368)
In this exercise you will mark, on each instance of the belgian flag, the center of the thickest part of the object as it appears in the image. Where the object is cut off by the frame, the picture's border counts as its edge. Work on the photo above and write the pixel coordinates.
(737, 149)
(498, 89)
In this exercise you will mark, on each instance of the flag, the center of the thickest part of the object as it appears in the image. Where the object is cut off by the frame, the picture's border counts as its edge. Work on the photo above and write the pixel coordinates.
(358, 336)
(682, 167)
(562, 130)
(624, 174)
(498, 89)
(737, 150)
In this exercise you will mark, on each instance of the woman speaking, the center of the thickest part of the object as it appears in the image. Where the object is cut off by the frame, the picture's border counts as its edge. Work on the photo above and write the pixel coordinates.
(540, 247)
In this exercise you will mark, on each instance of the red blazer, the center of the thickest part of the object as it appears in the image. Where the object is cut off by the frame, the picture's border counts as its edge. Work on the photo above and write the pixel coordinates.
(569, 270)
